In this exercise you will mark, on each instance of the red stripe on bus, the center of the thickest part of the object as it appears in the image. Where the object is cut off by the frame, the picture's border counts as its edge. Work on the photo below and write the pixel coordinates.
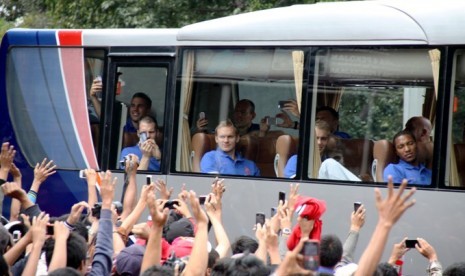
(70, 37)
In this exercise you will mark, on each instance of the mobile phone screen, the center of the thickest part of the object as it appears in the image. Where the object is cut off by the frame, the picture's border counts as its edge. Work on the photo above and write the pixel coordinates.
(260, 218)
(50, 230)
(356, 206)
(202, 115)
(311, 253)
(410, 243)
(149, 180)
(202, 199)
(273, 211)
(282, 197)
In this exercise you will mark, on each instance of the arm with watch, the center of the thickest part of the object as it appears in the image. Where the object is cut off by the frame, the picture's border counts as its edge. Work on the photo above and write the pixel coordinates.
(285, 226)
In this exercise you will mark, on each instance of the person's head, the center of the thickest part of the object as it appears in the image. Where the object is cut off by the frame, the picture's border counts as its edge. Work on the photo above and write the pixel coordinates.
(220, 267)
(213, 257)
(455, 269)
(244, 244)
(420, 127)
(226, 136)
(157, 270)
(406, 146)
(248, 264)
(76, 251)
(140, 106)
(149, 125)
(385, 269)
(329, 115)
(244, 113)
(65, 271)
(330, 251)
(322, 133)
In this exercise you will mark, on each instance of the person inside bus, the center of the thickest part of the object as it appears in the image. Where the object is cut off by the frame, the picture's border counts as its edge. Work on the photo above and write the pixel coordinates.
(225, 159)
(141, 105)
(146, 150)
(421, 127)
(243, 116)
(325, 113)
(409, 167)
(330, 168)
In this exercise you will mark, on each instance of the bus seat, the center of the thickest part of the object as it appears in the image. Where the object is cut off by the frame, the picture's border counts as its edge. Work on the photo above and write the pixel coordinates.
(358, 157)
(460, 159)
(286, 146)
(266, 154)
(383, 155)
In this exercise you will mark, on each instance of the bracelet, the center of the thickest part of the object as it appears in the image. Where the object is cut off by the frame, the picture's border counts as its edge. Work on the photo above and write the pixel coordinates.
(296, 124)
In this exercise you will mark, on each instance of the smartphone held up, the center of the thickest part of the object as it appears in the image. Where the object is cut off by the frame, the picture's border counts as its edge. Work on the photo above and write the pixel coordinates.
(311, 253)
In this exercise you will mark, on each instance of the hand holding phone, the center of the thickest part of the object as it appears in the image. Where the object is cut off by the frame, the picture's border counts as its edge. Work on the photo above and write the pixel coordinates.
(282, 104)
(201, 115)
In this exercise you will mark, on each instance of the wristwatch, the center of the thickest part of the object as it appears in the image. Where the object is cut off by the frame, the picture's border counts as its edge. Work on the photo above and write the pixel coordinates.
(286, 231)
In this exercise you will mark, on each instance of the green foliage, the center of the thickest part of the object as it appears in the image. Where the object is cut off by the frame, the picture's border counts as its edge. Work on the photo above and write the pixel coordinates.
(371, 114)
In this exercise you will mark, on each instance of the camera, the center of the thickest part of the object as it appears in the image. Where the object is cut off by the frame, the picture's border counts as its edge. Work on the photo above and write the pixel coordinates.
(98, 207)
(173, 261)
(272, 121)
(123, 161)
(282, 103)
(410, 243)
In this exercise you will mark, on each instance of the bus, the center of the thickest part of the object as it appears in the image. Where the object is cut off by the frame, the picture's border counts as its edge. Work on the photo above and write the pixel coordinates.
(377, 63)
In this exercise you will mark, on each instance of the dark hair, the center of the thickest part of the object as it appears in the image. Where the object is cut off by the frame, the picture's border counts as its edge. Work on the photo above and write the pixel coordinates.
(144, 96)
(65, 271)
(220, 267)
(385, 269)
(4, 269)
(330, 251)
(76, 250)
(157, 270)
(455, 269)
(249, 102)
(331, 110)
(401, 133)
(244, 244)
(247, 265)
(213, 256)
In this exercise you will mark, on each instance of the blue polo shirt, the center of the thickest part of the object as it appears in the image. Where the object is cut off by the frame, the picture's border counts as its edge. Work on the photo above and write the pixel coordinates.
(154, 165)
(291, 166)
(415, 175)
(217, 161)
(129, 127)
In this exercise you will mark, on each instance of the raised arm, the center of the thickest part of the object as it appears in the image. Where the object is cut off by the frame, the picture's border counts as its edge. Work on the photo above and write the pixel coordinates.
(213, 206)
(15, 204)
(390, 210)
(7, 154)
(39, 225)
(357, 221)
(59, 257)
(41, 172)
(130, 195)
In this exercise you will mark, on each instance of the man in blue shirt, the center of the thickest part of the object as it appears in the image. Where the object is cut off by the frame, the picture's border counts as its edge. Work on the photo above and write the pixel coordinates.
(408, 167)
(147, 149)
(225, 159)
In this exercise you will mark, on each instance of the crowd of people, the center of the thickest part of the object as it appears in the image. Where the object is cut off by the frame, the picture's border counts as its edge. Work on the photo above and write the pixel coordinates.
(98, 238)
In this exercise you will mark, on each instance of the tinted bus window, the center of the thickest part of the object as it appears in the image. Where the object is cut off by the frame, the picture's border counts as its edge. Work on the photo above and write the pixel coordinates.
(246, 86)
(365, 97)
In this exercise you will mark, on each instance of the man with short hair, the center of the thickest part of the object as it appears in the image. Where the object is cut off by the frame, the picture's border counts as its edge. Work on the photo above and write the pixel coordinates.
(409, 167)
(421, 128)
(331, 116)
(147, 150)
(140, 107)
(330, 254)
(225, 159)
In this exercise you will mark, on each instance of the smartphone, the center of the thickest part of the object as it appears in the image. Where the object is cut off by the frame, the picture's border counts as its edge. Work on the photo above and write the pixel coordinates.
(50, 230)
(16, 235)
(282, 196)
(272, 121)
(311, 253)
(282, 103)
(82, 174)
(202, 199)
(143, 137)
(410, 243)
(170, 204)
(202, 115)
(148, 180)
(274, 210)
(357, 205)
(260, 218)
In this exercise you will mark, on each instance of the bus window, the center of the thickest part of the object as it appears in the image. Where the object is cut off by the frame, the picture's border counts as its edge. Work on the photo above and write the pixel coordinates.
(248, 87)
(364, 97)
(48, 108)
(140, 92)
(457, 153)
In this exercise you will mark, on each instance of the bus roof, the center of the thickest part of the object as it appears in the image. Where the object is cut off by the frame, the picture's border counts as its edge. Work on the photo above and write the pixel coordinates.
(92, 37)
(396, 22)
